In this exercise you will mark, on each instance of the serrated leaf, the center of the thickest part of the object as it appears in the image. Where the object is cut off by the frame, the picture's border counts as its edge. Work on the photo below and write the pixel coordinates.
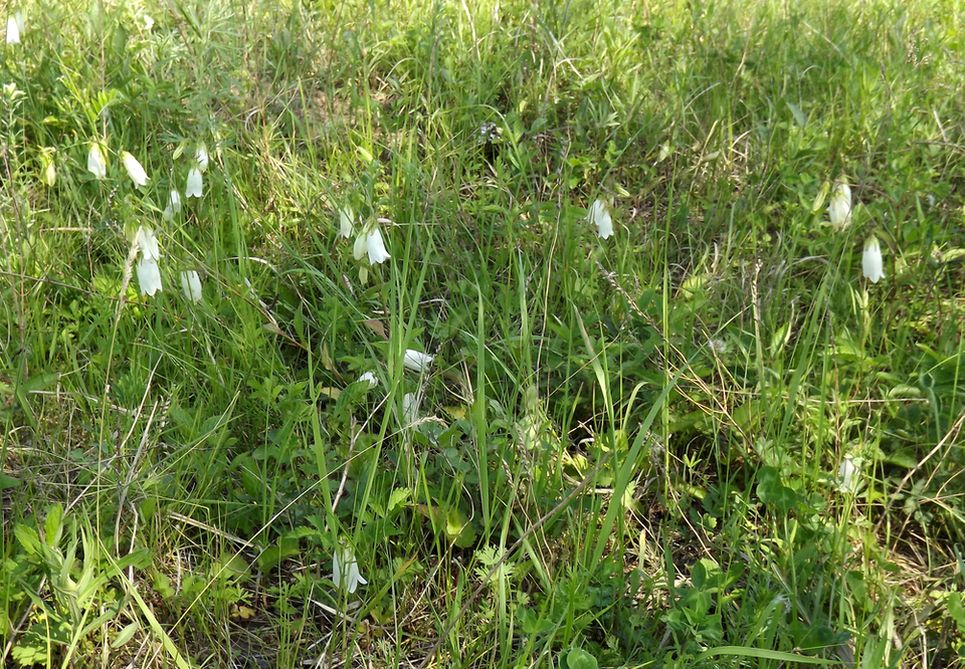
(28, 538)
(398, 498)
(242, 612)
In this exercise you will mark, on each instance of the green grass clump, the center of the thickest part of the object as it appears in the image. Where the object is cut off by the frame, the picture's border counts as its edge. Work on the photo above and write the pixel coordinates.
(705, 441)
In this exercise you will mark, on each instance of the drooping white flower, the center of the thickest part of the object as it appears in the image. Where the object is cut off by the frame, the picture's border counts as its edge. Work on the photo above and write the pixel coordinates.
(370, 378)
(147, 244)
(174, 206)
(848, 475)
(96, 162)
(195, 185)
(417, 361)
(345, 570)
(370, 242)
(839, 210)
(600, 217)
(148, 273)
(191, 285)
(410, 408)
(345, 225)
(872, 265)
(201, 156)
(15, 25)
(148, 22)
(375, 246)
(50, 173)
(134, 169)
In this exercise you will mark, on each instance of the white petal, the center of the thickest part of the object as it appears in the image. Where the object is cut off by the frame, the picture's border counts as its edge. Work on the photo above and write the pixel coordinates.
(134, 169)
(201, 155)
(174, 206)
(848, 475)
(148, 22)
(354, 577)
(417, 361)
(148, 276)
(345, 570)
(337, 569)
(410, 408)
(600, 217)
(147, 243)
(195, 185)
(96, 163)
(375, 246)
(191, 285)
(358, 250)
(13, 30)
(839, 210)
(872, 265)
(370, 378)
(345, 225)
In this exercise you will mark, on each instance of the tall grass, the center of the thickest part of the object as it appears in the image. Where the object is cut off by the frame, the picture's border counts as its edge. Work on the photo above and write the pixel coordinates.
(705, 441)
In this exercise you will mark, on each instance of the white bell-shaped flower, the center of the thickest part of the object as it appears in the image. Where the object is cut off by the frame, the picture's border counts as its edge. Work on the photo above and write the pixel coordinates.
(195, 184)
(369, 378)
(174, 206)
(600, 217)
(50, 173)
(96, 162)
(134, 169)
(848, 480)
(375, 247)
(370, 242)
(345, 570)
(410, 409)
(416, 361)
(872, 265)
(358, 248)
(191, 285)
(839, 210)
(201, 156)
(148, 273)
(345, 225)
(14, 28)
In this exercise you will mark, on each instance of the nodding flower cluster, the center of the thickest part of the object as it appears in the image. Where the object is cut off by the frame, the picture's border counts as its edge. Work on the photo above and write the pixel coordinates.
(148, 273)
(839, 213)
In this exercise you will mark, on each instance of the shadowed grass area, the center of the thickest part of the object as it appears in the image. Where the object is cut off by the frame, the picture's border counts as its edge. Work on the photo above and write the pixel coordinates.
(708, 440)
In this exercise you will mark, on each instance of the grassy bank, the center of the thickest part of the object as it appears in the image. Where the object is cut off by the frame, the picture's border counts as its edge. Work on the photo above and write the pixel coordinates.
(706, 440)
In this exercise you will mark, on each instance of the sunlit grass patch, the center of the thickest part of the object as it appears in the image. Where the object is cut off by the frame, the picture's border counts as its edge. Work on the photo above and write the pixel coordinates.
(481, 334)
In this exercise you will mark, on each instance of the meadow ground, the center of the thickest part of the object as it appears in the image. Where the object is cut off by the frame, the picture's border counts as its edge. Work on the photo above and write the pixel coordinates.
(384, 323)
